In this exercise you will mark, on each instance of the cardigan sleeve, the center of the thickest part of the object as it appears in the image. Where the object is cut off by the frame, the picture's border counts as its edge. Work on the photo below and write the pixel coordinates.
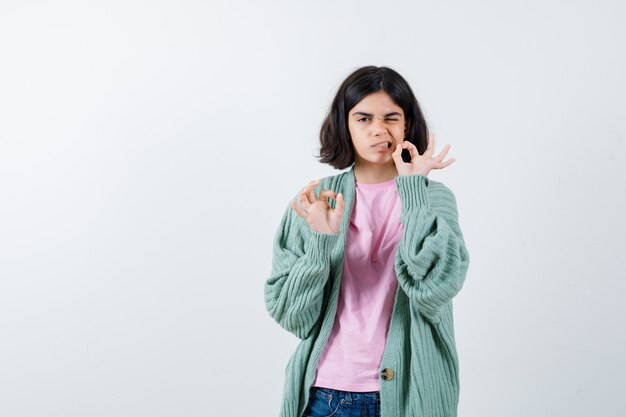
(431, 260)
(300, 269)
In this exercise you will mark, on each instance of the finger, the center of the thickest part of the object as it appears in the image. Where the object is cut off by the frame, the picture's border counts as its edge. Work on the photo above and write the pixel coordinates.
(448, 162)
(397, 154)
(443, 153)
(412, 148)
(306, 196)
(311, 191)
(431, 144)
(444, 164)
(298, 210)
(326, 194)
(303, 199)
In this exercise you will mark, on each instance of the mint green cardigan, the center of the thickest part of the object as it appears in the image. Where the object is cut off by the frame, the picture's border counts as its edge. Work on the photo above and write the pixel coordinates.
(431, 262)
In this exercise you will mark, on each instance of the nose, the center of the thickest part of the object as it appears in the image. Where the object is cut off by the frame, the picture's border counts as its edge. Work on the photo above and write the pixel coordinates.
(379, 126)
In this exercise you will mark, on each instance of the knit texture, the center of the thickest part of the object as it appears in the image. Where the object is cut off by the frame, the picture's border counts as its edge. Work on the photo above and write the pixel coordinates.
(431, 263)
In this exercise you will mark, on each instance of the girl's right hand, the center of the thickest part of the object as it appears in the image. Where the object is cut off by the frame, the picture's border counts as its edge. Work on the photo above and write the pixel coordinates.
(317, 212)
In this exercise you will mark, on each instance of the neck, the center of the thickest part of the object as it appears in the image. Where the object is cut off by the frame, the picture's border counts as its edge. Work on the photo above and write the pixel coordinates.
(374, 173)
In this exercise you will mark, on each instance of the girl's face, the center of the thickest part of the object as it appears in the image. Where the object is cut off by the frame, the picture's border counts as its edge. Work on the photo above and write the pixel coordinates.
(375, 119)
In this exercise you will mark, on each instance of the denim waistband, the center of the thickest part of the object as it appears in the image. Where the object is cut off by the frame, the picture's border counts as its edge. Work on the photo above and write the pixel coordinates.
(348, 395)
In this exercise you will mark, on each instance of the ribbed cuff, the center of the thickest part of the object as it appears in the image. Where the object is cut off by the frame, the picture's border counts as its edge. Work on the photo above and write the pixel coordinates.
(412, 191)
(320, 244)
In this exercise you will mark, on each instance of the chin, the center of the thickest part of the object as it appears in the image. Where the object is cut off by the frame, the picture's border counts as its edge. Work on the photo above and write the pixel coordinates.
(383, 160)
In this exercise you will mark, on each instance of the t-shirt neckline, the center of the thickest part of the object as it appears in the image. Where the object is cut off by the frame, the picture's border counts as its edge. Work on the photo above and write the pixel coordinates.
(383, 184)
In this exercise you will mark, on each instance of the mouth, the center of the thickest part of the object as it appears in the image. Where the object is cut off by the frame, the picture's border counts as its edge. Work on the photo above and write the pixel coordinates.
(386, 144)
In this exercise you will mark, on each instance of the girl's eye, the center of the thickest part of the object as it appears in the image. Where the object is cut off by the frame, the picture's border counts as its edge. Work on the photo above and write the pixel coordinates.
(367, 118)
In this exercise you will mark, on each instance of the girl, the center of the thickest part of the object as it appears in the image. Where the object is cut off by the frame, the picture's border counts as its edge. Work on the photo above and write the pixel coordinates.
(366, 263)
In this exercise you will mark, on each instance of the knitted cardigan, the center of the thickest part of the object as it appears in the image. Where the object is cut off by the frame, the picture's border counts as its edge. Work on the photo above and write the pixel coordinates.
(431, 262)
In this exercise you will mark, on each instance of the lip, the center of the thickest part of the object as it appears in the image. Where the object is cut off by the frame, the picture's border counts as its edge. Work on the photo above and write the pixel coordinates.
(381, 149)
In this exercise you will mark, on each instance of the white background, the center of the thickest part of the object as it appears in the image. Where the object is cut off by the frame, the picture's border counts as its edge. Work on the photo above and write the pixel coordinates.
(148, 150)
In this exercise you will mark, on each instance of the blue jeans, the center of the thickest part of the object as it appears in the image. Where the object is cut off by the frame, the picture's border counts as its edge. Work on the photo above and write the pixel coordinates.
(327, 402)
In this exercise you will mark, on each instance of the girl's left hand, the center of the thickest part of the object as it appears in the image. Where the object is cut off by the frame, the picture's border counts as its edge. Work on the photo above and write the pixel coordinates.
(420, 164)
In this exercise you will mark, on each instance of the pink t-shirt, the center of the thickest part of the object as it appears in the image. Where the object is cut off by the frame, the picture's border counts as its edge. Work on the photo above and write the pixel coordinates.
(352, 355)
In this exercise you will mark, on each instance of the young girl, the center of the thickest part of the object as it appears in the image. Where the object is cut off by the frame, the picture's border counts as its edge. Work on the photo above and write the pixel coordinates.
(366, 263)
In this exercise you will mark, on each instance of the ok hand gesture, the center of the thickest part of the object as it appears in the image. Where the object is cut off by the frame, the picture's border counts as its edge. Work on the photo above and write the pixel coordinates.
(316, 210)
(420, 164)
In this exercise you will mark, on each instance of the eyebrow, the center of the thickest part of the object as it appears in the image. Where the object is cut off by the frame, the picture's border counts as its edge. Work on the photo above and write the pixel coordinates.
(360, 113)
